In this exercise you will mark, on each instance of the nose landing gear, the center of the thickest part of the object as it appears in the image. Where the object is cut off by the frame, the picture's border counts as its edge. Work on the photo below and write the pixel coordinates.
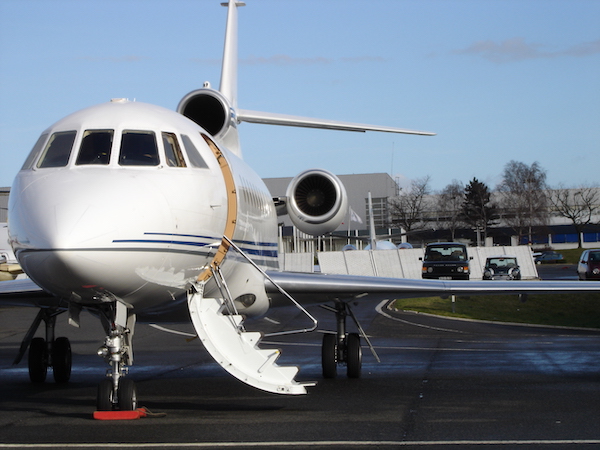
(116, 391)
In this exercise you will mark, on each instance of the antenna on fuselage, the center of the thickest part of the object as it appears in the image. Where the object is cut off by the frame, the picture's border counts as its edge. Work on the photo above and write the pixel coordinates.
(228, 85)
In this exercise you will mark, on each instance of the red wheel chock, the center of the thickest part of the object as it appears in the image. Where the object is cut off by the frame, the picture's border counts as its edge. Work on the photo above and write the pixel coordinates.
(125, 415)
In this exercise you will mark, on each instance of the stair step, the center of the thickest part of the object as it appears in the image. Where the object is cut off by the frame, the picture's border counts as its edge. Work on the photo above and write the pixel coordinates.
(237, 351)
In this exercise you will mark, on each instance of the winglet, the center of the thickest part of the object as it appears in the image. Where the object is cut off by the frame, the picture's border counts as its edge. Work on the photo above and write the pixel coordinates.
(228, 85)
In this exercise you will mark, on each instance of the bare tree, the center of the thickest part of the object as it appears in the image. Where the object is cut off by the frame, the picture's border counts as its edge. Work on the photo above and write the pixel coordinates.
(449, 204)
(579, 205)
(523, 197)
(408, 209)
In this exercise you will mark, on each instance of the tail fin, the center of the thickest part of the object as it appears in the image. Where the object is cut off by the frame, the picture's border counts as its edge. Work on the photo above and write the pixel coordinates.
(218, 112)
(228, 85)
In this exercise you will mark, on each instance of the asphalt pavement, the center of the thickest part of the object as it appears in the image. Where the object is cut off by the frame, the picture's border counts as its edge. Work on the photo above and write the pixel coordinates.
(441, 383)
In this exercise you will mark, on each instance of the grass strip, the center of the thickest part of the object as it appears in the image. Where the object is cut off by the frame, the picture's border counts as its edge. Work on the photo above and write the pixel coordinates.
(568, 310)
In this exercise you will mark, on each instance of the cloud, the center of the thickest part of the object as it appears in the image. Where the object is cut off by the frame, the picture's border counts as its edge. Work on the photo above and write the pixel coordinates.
(585, 49)
(361, 59)
(516, 49)
(286, 60)
(114, 59)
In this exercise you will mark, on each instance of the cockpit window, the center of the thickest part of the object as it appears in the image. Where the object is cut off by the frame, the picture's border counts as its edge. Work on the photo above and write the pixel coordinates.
(196, 159)
(138, 148)
(95, 147)
(172, 150)
(35, 152)
(58, 150)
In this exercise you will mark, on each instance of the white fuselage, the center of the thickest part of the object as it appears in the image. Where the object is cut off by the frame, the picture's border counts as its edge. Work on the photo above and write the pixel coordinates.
(139, 232)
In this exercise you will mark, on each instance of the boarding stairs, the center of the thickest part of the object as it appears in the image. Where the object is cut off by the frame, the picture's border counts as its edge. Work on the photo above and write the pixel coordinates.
(221, 330)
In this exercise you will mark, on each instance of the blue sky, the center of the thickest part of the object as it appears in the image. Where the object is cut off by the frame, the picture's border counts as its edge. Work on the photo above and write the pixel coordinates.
(497, 80)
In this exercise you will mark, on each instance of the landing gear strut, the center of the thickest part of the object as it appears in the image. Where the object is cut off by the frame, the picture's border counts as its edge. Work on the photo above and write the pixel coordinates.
(342, 347)
(48, 352)
(116, 391)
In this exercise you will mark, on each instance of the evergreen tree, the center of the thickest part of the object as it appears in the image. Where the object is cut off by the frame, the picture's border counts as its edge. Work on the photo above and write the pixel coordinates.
(477, 209)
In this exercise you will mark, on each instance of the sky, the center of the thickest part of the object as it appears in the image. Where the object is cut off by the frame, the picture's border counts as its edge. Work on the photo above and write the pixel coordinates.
(497, 80)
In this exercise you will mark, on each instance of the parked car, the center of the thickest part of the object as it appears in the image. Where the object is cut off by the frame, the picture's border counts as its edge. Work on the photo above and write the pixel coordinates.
(549, 257)
(446, 261)
(501, 268)
(588, 267)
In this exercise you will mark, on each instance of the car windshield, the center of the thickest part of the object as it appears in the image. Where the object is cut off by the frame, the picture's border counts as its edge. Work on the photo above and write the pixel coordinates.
(595, 256)
(445, 253)
(501, 262)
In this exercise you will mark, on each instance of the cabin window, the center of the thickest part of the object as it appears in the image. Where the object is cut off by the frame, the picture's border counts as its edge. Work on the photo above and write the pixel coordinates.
(138, 148)
(35, 152)
(194, 156)
(95, 147)
(58, 150)
(172, 150)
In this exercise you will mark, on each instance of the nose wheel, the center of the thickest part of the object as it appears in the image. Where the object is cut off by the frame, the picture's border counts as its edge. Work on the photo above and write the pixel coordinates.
(116, 392)
(124, 400)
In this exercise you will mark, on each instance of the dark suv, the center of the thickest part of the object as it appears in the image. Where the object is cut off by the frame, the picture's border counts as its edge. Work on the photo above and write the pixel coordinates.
(446, 261)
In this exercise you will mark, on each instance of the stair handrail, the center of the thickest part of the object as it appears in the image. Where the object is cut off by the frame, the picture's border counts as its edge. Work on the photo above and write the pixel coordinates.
(281, 290)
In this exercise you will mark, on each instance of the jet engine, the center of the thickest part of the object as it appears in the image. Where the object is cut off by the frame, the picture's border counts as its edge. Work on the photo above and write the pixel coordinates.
(316, 202)
(208, 108)
(211, 110)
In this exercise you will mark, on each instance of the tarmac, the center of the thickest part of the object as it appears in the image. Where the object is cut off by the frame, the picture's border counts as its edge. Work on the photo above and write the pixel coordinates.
(440, 384)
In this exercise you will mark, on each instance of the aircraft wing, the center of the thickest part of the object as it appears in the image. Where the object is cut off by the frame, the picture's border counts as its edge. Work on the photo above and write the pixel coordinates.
(317, 288)
(245, 115)
(25, 293)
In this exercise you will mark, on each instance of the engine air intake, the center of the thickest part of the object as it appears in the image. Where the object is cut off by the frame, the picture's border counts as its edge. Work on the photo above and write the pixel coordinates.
(208, 108)
(317, 202)
(315, 195)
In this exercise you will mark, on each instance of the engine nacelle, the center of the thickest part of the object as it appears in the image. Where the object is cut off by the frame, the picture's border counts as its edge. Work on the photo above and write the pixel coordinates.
(211, 110)
(208, 108)
(317, 202)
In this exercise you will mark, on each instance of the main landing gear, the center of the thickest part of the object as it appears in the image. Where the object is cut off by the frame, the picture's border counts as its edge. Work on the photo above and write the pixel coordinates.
(116, 391)
(46, 352)
(341, 347)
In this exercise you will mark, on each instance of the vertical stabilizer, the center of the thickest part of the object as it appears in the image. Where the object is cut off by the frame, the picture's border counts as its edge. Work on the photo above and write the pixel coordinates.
(228, 86)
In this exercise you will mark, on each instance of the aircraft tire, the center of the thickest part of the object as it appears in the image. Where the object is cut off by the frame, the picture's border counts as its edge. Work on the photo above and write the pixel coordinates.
(61, 360)
(127, 395)
(38, 360)
(105, 395)
(329, 356)
(353, 355)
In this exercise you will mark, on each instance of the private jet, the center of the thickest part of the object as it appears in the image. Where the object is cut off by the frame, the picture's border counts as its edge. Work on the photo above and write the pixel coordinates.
(134, 212)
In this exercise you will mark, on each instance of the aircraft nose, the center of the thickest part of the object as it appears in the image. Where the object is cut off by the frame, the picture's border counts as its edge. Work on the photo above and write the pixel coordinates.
(87, 209)
(64, 228)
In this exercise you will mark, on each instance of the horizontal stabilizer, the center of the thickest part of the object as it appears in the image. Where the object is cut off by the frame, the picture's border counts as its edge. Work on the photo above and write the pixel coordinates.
(245, 115)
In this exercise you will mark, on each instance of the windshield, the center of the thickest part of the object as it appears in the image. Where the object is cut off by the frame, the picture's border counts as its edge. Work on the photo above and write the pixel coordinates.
(445, 253)
(595, 256)
(502, 262)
